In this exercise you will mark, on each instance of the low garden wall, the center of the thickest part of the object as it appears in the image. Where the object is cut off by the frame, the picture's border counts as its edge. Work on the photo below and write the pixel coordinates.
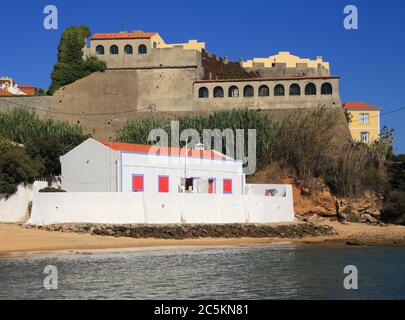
(171, 208)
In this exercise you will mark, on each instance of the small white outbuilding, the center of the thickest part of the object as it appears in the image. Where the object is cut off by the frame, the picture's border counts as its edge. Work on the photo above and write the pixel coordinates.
(95, 166)
(121, 183)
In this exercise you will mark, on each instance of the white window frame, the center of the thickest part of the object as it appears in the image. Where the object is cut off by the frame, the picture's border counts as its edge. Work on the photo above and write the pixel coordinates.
(365, 134)
(364, 118)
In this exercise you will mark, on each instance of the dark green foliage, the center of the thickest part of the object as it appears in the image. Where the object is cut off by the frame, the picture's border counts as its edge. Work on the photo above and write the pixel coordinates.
(16, 167)
(44, 140)
(374, 180)
(399, 158)
(394, 199)
(394, 207)
(49, 148)
(42, 92)
(397, 173)
(70, 65)
(348, 116)
(50, 189)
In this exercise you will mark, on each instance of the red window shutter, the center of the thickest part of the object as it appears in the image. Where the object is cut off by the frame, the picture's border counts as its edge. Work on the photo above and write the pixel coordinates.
(137, 183)
(164, 184)
(227, 186)
(211, 185)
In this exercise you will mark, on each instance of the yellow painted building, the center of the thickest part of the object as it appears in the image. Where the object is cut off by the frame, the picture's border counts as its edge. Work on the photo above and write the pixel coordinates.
(289, 59)
(365, 121)
(190, 45)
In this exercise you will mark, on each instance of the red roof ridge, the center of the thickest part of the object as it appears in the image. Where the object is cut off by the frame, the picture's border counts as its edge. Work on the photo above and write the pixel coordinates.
(359, 105)
(144, 148)
(123, 35)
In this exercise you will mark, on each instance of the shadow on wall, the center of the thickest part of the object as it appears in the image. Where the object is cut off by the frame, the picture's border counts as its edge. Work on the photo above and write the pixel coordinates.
(15, 208)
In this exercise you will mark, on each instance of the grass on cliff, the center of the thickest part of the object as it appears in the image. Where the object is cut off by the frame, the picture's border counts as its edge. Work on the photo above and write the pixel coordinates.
(30, 147)
(137, 131)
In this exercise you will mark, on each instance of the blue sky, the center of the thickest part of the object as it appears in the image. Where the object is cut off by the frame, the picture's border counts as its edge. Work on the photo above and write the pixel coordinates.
(369, 60)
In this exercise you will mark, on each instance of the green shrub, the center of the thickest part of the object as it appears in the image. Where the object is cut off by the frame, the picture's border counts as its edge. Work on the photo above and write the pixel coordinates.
(44, 140)
(394, 207)
(16, 167)
(70, 65)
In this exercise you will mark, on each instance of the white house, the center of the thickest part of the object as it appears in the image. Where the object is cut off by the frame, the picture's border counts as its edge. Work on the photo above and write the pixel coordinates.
(121, 183)
(122, 167)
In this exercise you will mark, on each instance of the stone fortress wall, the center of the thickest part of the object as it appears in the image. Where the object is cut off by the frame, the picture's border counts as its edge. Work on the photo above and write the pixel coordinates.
(170, 78)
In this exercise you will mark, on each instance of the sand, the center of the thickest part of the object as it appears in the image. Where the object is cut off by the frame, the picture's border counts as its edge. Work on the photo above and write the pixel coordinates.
(15, 240)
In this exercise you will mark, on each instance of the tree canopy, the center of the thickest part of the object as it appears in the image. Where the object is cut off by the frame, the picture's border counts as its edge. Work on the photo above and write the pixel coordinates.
(71, 64)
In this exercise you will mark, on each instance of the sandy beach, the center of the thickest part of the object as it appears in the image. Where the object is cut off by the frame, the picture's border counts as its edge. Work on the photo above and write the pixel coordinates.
(15, 240)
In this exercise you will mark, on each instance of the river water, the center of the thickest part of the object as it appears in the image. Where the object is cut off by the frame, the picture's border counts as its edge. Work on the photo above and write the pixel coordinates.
(270, 272)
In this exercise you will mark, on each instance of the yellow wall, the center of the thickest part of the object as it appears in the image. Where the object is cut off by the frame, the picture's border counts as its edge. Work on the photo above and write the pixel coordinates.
(373, 126)
(289, 59)
(190, 45)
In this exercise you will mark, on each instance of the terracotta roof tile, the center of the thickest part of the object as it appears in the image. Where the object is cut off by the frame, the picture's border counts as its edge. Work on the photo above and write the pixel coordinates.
(359, 105)
(141, 148)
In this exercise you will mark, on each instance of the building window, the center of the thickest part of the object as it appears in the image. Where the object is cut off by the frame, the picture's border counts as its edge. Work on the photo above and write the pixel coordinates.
(137, 183)
(364, 118)
(264, 91)
(203, 92)
(227, 186)
(310, 89)
(99, 50)
(248, 91)
(365, 137)
(128, 49)
(326, 88)
(295, 90)
(163, 184)
(142, 49)
(233, 92)
(154, 45)
(279, 90)
(211, 185)
(114, 49)
(218, 92)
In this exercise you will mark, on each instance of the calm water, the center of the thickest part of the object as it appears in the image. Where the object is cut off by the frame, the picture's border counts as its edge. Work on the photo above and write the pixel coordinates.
(274, 272)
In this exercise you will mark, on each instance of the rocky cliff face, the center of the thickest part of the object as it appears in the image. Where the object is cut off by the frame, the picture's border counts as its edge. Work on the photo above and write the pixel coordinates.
(313, 197)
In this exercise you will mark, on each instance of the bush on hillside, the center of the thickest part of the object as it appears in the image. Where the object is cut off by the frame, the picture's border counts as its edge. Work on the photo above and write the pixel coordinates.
(16, 167)
(44, 140)
(394, 207)
(71, 65)
(306, 140)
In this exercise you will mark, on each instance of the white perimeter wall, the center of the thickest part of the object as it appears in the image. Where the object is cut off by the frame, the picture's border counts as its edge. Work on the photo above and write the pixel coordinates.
(14, 209)
(150, 208)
